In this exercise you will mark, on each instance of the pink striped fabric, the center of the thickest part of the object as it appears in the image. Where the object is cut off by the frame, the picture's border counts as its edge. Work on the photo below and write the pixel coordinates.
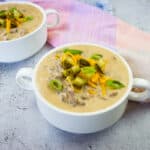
(79, 23)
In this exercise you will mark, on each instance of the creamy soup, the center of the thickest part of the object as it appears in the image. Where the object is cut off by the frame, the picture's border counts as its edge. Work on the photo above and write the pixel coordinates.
(17, 20)
(82, 87)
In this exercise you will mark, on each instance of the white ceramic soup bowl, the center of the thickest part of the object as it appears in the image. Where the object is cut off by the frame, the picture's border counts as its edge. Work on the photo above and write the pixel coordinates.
(26, 46)
(82, 122)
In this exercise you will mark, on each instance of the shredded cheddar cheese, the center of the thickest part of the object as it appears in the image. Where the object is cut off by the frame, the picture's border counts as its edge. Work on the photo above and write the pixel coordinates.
(90, 91)
(102, 81)
(91, 84)
(77, 57)
(8, 25)
(95, 78)
(103, 88)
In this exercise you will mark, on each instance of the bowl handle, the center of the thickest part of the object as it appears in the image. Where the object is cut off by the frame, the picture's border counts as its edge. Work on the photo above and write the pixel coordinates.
(56, 20)
(140, 96)
(24, 78)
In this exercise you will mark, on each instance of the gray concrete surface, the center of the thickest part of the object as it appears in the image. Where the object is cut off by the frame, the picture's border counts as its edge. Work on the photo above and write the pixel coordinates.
(22, 127)
(135, 12)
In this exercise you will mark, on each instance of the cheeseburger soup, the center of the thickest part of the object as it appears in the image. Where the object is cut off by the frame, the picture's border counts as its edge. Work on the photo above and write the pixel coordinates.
(82, 78)
(17, 20)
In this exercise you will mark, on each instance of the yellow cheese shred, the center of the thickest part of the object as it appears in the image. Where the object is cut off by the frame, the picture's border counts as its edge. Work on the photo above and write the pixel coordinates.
(102, 81)
(91, 92)
(77, 57)
(95, 78)
(8, 25)
(103, 88)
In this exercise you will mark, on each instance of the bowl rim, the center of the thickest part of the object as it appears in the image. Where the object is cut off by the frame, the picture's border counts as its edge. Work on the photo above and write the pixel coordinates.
(35, 30)
(98, 112)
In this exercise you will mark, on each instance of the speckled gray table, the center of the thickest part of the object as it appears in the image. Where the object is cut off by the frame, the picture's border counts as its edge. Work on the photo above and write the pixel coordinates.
(22, 127)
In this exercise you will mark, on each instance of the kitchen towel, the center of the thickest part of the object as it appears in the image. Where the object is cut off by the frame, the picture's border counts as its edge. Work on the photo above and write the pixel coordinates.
(81, 22)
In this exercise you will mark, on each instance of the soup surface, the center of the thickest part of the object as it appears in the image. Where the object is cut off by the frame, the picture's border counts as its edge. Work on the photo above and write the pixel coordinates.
(87, 90)
(28, 21)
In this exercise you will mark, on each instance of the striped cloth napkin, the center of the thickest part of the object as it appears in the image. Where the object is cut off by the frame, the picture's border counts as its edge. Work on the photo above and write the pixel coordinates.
(81, 22)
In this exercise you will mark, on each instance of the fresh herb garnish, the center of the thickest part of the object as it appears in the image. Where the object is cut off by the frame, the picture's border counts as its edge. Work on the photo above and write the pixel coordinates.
(72, 51)
(88, 72)
(96, 56)
(12, 18)
(56, 85)
(114, 84)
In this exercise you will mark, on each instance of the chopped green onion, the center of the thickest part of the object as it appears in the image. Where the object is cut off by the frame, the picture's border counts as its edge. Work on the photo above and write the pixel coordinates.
(101, 63)
(15, 13)
(75, 69)
(72, 51)
(96, 56)
(99, 69)
(25, 19)
(100, 66)
(88, 71)
(114, 84)
(79, 82)
(56, 85)
(83, 62)
(29, 18)
(67, 63)
(3, 14)
(2, 22)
